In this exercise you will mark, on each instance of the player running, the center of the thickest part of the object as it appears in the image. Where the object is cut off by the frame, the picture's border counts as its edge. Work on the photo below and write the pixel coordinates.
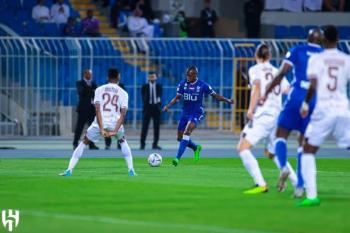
(111, 104)
(329, 73)
(290, 118)
(262, 118)
(192, 90)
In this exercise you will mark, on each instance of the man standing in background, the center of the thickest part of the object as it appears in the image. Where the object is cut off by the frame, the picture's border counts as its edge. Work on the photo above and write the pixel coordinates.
(151, 98)
(208, 20)
(86, 111)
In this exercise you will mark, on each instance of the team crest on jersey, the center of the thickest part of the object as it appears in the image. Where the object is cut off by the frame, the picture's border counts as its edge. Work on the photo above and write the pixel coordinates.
(198, 89)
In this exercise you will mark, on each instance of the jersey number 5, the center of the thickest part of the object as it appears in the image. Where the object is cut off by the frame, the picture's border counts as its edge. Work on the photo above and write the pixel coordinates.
(332, 74)
(277, 89)
(108, 99)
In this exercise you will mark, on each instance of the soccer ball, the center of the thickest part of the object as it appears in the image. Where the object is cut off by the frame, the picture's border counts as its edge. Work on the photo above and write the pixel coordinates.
(154, 160)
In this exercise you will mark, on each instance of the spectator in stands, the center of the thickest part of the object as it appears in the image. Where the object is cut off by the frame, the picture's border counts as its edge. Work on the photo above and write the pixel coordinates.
(151, 98)
(70, 28)
(86, 110)
(138, 25)
(333, 5)
(293, 5)
(60, 12)
(125, 6)
(252, 13)
(208, 20)
(90, 25)
(273, 5)
(146, 8)
(183, 21)
(40, 12)
(313, 5)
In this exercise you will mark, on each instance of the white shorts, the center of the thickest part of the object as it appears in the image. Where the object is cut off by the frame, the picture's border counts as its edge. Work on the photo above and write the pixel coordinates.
(323, 124)
(93, 132)
(262, 127)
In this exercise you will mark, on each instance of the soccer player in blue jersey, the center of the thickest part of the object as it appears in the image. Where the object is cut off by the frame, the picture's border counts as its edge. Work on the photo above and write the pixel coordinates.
(290, 119)
(192, 90)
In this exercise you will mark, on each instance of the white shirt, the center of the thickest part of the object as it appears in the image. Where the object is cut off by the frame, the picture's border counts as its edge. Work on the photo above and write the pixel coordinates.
(111, 98)
(293, 5)
(313, 5)
(273, 4)
(40, 11)
(264, 73)
(57, 15)
(152, 93)
(331, 68)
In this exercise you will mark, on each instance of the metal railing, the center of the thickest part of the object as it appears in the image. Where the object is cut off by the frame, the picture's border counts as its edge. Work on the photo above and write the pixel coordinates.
(38, 76)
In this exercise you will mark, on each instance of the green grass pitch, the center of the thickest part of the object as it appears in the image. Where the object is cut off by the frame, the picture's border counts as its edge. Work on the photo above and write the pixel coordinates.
(193, 197)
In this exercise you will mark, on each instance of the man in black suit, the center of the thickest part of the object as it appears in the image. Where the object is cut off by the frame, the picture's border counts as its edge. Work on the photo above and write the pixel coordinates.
(208, 20)
(86, 111)
(151, 98)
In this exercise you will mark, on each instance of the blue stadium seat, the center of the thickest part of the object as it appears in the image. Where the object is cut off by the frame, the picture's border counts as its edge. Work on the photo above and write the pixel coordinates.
(281, 32)
(50, 29)
(296, 32)
(344, 32)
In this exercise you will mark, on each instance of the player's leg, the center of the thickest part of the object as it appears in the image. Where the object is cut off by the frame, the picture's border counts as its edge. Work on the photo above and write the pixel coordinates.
(281, 153)
(92, 145)
(184, 141)
(92, 135)
(308, 170)
(126, 151)
(299, 190)
(252, 166)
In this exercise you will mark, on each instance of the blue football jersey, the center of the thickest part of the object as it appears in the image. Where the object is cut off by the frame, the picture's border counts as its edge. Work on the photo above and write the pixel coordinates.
(298, 57)
(193, 94)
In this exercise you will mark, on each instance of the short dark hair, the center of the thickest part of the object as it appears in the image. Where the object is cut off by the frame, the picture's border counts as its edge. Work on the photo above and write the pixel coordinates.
(152, 73)
(331, 33)
(113, 73)
(263, 52)
(192, 68)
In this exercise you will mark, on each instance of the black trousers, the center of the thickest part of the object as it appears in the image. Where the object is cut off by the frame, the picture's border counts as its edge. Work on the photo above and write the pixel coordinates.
(82, 120)
(151, 111)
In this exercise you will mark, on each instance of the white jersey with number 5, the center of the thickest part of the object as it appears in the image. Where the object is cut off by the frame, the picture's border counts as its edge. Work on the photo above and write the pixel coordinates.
(111, 98)
(331, 68)
(265, 72)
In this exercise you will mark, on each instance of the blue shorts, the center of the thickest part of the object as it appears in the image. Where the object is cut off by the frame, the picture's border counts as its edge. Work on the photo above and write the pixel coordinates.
(290, 117)
(185, 118)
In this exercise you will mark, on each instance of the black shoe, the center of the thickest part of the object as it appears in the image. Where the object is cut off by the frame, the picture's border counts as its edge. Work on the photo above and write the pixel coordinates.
(156, 147)
(107, 147)
(93, 147)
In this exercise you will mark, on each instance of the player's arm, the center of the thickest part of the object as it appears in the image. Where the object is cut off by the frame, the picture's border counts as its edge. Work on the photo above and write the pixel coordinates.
(254, 100)
(172, 102)
(310, 93)
(222, 98)
(283, 71)
(99, 119)
(312, 74)
(120, 122)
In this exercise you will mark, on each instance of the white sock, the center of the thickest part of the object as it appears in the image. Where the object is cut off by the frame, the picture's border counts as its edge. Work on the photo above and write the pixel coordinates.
(127, 155)
(78, 152)
(292, 175)
(308, 171)
(251, 164)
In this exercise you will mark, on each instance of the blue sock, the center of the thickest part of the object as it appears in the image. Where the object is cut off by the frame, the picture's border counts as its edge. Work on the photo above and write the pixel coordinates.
(182, 147)
(281, 151)
(192, 145)
(300, 177)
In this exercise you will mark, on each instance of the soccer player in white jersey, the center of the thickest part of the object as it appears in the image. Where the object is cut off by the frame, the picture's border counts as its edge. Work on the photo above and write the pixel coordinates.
(329, 74)
(111, 103)
(262, 118)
